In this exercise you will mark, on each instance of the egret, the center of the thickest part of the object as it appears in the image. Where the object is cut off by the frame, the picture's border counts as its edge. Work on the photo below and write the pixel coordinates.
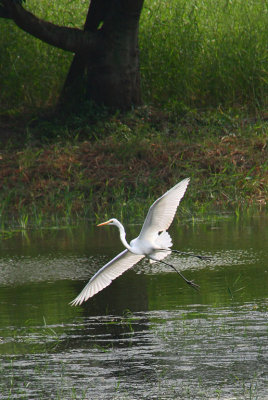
(153, 242)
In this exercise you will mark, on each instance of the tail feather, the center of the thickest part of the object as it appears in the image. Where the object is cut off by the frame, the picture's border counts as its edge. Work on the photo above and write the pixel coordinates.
(164, 241)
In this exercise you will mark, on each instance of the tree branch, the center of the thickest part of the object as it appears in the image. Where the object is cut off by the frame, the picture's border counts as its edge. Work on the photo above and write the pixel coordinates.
(70, 39)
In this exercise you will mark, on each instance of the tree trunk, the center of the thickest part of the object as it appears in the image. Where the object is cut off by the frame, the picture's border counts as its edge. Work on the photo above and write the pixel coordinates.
(74, 89)
(109, 73)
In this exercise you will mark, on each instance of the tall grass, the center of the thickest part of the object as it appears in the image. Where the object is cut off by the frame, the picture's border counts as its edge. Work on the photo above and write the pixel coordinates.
(193, 53)
(205, 52)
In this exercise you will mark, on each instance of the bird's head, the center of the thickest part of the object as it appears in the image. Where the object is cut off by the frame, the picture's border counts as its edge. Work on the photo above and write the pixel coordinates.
(112, 221)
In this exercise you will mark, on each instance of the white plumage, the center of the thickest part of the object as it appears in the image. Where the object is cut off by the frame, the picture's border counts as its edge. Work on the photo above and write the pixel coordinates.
(153, 242)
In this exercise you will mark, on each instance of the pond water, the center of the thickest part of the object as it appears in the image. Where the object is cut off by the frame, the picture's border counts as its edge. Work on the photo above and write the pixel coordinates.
(148, 335)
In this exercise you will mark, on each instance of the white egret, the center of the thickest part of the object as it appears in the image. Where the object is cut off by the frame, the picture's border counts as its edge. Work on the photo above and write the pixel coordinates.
(153, 242)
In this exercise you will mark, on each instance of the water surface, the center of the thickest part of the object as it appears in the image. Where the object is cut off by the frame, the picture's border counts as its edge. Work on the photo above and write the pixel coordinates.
(146, 336)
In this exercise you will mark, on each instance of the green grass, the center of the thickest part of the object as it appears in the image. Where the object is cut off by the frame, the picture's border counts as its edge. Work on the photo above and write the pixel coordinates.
(119, 166)
(196, 53)
(204, 53)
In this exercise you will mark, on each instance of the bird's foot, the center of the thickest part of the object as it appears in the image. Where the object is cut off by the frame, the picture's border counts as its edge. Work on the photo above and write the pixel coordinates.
(194, 285)
(206, 258)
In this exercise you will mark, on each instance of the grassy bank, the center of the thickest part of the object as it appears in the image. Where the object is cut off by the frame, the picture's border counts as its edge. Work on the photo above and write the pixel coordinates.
(132, 160)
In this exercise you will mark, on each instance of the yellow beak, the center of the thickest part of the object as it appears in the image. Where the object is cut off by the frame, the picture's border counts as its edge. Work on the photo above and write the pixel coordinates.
(104, 223)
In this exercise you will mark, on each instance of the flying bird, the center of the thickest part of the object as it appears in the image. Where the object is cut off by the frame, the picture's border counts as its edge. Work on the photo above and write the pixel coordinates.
(153, 242)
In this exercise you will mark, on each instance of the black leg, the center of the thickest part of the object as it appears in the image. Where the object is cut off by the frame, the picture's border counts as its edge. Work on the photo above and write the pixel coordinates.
(191, 283)
(192, 255)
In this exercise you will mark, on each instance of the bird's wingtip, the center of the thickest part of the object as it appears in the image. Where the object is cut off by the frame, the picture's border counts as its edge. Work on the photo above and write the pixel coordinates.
(75, 302)
(186, 181)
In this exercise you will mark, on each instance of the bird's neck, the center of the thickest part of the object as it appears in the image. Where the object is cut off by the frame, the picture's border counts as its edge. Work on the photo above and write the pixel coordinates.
(123, 235)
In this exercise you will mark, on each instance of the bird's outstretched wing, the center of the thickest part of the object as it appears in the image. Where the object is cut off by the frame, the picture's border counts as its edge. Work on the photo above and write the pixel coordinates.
(162, 211)
(114, 268)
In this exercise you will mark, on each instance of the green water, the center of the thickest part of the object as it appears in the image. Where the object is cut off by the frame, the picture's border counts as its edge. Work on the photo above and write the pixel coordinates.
(148, 335)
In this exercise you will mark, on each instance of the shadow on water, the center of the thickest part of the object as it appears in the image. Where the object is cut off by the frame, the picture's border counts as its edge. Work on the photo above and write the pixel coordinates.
(148, 335)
